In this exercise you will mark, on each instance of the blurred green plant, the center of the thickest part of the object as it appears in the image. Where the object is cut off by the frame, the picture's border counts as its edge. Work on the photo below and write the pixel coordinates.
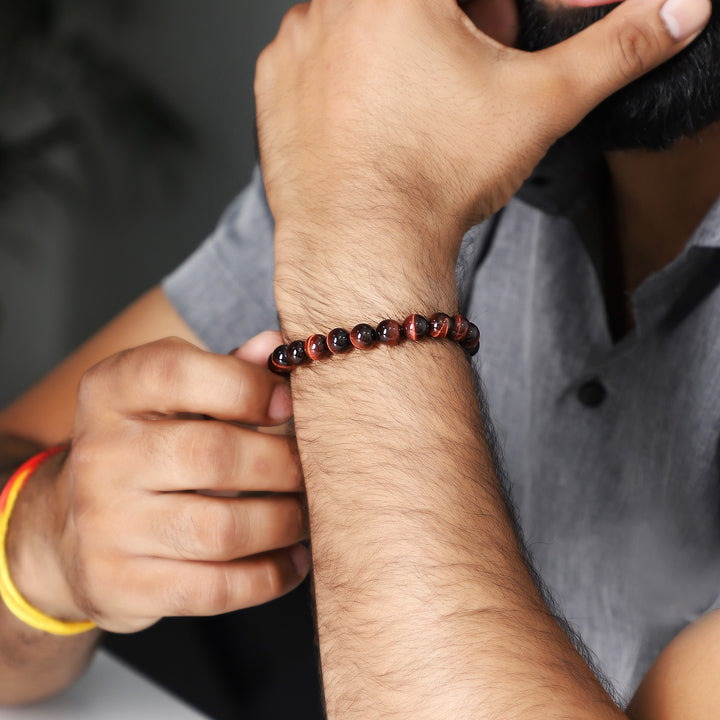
(65, 99)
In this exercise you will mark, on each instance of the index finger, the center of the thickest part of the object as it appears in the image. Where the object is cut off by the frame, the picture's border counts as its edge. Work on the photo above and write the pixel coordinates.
(173, 376)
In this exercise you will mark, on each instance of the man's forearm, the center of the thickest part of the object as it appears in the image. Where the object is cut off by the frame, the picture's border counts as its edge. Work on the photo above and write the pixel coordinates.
(425, 606)
(33, 664)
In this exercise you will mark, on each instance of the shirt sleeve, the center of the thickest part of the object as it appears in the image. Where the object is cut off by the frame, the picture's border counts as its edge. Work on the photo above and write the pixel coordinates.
(224, 290)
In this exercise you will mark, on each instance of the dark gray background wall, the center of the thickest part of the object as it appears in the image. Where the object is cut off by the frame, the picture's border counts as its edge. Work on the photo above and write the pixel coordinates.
(62, 274)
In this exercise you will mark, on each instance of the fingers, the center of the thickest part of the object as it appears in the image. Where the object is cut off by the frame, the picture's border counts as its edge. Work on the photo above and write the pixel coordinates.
(631, 40)
(172, 376)
(196, 527)
(210, 455)
(172, 588)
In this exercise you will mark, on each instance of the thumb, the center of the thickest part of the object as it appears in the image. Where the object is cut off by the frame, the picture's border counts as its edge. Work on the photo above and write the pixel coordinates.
(258, 348)
(628, 42)
(256, 351)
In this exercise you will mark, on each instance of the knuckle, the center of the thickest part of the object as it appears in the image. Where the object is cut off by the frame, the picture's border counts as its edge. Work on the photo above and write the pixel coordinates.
(210, 449)
(163, 363)
(211, 597)
(90, 389)
(186, 536)
(274, 583)
(227, 532)
(213, 538)
(636, 45)
(293, 16)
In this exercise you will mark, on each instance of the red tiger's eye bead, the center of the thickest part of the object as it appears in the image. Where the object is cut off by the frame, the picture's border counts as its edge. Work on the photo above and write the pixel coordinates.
(472, 351)
(389, 332)
(316, 347)
(473, 334)
(278, 362)
(296, 353)
(439, 326)
(460, 328)
(363, 336)
(338, 340)
(416, 327)
(471, 343)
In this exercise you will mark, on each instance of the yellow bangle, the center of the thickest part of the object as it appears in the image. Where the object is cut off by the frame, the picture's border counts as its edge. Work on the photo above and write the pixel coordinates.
(14, 601)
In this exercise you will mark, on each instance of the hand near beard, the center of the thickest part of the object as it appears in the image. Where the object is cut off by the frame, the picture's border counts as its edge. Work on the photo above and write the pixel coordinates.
(387, 129)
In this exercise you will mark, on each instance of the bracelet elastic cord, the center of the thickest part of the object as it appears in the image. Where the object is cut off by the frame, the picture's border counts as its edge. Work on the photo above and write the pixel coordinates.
(14, 601)
(363, 337)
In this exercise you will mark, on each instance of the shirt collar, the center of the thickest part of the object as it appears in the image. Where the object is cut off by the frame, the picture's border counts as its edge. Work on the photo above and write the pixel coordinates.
(707, 234)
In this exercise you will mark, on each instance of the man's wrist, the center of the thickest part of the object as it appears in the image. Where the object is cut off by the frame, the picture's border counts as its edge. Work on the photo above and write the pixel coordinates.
(33, 541)
(361, 286)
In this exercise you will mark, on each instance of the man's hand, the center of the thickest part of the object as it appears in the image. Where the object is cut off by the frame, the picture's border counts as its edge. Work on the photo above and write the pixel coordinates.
(121, 531)
(381, 119)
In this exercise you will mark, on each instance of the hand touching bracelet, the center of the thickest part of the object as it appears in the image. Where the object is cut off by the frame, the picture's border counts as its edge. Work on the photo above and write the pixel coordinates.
(363, 337)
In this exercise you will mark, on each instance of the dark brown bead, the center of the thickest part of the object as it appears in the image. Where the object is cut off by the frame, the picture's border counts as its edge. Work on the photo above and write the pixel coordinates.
(363, 336)
(389, 332)
(316, 347)
(338, 340)
(471, 343)
(460, 328)
(296, 353)
(278, 362)
(473, 334)
(416, 327)
(439, 326)
(473, 350)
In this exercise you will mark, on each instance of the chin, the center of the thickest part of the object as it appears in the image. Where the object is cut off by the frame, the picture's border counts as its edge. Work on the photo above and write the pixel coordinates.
(676, 100)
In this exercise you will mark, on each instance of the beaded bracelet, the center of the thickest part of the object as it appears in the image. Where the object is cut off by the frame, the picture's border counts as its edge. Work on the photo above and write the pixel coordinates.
(363, 337)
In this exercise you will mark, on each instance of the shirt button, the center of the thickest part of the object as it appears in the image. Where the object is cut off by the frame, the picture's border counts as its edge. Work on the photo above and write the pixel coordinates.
(592, 393)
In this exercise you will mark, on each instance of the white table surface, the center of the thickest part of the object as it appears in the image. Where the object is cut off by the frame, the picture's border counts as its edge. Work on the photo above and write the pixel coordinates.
(109, 690)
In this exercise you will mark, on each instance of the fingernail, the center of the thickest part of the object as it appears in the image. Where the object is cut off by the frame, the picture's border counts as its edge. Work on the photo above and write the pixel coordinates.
(280, 408)
(300, 557)
(684, 18)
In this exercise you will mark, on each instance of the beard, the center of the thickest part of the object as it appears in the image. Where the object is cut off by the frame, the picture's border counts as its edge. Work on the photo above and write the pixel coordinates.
(678, 99)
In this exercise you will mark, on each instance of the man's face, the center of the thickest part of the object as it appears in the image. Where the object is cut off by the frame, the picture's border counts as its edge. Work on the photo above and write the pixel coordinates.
(676, 100)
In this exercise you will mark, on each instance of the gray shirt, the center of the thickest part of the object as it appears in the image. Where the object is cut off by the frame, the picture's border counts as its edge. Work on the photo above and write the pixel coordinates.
(611, 449)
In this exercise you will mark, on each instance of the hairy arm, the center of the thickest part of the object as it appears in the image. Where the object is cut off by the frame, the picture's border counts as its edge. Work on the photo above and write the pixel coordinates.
(425, 605)
(387, 129)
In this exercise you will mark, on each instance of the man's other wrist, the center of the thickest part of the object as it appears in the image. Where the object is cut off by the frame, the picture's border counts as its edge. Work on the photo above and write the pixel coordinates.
(32, 544)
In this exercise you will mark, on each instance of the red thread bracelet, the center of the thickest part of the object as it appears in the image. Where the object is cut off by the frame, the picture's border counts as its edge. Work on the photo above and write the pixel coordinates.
(9, 593)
